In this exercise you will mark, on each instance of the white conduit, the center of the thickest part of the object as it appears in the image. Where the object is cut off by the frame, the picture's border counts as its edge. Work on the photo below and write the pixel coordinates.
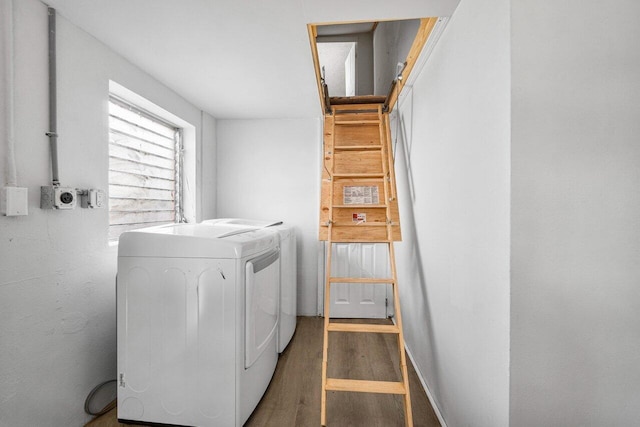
(8, 61)
(53, 97)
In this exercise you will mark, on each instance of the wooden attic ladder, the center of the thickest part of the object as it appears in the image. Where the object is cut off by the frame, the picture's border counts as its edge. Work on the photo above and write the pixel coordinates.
(358, 156)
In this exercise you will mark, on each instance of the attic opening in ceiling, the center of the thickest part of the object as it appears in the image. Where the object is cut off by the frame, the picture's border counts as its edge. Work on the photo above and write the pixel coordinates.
(366, 62)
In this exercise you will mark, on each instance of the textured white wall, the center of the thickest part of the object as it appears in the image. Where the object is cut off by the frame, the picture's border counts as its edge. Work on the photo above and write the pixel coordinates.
(57, 271)
(575, 334)
(453, 170)
(269, 170)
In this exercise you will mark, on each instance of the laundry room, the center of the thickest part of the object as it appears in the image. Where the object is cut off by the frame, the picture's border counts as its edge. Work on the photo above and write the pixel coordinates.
(174, 177)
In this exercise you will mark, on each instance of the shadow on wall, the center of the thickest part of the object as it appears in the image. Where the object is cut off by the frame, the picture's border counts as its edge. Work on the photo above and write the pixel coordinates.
(415, 301)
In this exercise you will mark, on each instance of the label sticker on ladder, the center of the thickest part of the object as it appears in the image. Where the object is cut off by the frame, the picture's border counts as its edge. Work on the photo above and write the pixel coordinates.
(359, 217)
(360, 195)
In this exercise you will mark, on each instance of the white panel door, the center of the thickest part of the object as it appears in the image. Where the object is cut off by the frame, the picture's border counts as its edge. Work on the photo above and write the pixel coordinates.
(360, 300)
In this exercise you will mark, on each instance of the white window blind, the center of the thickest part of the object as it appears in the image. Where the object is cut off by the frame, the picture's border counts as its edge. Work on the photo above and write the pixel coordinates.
(144, 169)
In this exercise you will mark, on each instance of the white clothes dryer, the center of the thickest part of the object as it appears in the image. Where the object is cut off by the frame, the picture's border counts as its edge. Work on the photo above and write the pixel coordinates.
(288, 270)
(198, 310)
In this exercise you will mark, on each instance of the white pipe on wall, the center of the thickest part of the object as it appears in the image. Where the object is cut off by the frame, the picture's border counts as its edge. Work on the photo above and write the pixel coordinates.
(8, 61)
(53, 97)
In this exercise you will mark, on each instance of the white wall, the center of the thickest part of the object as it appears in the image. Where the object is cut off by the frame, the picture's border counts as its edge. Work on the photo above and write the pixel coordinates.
(576, 213)
(269, 169)
(453, 169)
(57, 271)
(392, 41)
(332, 57)
(208, 168)
(364, 61)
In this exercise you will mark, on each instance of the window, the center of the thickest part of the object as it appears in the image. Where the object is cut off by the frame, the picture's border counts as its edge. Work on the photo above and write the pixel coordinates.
(144, 169)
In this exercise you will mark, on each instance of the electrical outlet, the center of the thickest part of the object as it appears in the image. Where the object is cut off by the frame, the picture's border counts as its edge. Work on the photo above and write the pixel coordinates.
(14, 201)
(53, 197)
(92, 198)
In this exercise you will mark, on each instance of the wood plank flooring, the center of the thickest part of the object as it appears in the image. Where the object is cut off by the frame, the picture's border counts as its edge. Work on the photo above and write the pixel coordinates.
(293, 397)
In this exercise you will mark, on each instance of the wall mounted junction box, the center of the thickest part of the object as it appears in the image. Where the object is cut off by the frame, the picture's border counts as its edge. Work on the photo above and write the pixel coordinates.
(92, 198)
(54, 197)
(14, 201)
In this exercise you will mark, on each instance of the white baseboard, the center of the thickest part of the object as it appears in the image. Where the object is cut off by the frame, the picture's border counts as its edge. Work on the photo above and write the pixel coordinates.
(426, 389)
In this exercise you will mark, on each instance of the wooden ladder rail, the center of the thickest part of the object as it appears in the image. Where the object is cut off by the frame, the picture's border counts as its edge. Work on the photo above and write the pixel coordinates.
(327, 289)
(348, 385)
(389, 194)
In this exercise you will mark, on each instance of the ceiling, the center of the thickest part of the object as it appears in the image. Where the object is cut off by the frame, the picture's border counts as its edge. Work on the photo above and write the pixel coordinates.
(232, 58)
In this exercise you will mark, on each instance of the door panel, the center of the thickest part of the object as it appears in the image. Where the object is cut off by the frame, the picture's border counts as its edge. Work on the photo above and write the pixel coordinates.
(360, 300)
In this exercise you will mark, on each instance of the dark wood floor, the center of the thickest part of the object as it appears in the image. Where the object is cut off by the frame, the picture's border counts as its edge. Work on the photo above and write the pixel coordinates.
(293, 397)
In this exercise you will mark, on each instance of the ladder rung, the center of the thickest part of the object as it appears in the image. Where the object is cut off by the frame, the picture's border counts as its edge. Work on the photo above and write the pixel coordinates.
(356, 122)
(363, 327)
(360, 280)
(360, 224)
(360, 206)
(355, 240)
(357, 147)
(386, 387)
(356, 108)
(358, 175)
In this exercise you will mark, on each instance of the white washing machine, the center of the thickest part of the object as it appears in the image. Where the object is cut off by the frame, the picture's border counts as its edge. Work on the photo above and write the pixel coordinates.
(288, 271)
(198, 310)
